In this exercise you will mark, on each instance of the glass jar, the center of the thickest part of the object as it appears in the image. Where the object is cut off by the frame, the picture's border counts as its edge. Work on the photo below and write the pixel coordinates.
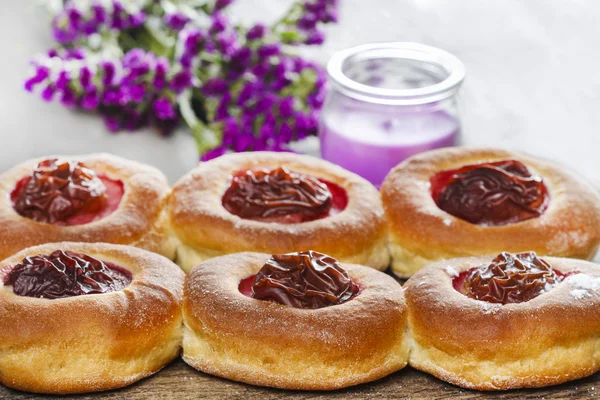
(388, 101)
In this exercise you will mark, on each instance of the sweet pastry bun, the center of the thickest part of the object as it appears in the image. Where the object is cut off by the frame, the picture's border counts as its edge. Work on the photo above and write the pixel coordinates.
(256, 341)
(551, 337)
(352, 230)
(132, 213)
(559, 214)
(87, 342)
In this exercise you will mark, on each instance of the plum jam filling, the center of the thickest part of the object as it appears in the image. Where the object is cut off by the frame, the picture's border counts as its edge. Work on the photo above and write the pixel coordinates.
(66, 193)
(492, 193)
(510, 278)
(281, 195)
(65, 274)
(306, 279)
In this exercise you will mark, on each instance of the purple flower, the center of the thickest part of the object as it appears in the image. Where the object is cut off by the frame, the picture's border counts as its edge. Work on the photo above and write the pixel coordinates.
(176, 21)
(315, 37)
(260, 70)
(331, 16)
(72, 24)
(269, 50)
(243, 143)
(305, 27)
(315, 5)
(214, 86)
(193, 40)
(246, 93)
(219, 23)
(108, 72)
(112, 124)
(85, 76)
(266, 102)
(307, 22)
(98, 14)
(222, 110)
(164, 109)
(286, 134)
(280, 71)
(213, 153)
(74, 16)
(112, 97)
(226, 42)
(136, 19)
(256, 32)
(181, 81)
(306, 122)
(286, 107)
(119, 16)
(48, 93)
(41, 73)
(221, 4)
(63, 80)
(135, 93)
(90, 100)
(267, 130)
(160, 73)
(241, 58)
(230, 131)
(68, 98)
(138, 62)
(74, 54)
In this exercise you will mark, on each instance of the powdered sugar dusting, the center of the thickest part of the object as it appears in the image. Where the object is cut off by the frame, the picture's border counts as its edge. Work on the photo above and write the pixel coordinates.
(450, 270)
(579, 293)
(583, 285)
(489, 308)
(447, 221)
(565, 239)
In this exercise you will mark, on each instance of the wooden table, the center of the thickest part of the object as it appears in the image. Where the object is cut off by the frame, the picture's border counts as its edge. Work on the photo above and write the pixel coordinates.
(178, 381)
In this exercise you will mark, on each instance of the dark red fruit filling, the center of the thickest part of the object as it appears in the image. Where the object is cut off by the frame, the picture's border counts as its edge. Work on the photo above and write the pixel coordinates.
(66, 193)
(302, 280)
(510, 278)
(492, 193)
(284, 196)
(65, 274)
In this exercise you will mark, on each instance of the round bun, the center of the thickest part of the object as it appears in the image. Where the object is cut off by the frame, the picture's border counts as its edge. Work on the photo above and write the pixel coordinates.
(138, 221)
(206, 229)
(92, 342)
(550, 339)
(420, 232)
(233, 336)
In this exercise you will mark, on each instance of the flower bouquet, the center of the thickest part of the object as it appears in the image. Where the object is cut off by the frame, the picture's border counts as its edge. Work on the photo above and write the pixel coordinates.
(166, 62)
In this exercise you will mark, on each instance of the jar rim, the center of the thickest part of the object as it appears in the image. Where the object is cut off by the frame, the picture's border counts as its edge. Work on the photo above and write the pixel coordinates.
(427, 55)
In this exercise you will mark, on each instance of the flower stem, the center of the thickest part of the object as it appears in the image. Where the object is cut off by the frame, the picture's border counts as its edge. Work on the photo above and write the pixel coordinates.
(205, 138)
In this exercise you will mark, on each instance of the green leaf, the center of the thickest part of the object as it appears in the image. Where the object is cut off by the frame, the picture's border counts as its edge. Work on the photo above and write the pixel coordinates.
(290, 37)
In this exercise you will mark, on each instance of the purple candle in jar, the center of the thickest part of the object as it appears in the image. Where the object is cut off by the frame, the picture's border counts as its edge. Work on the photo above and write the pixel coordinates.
(389, 101)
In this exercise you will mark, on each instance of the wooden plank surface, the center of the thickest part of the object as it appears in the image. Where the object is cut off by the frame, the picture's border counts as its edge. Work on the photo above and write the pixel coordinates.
(179, 381)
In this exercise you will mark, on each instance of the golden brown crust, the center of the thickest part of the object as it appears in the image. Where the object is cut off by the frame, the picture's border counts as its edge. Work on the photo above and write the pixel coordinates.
(200, 221)
(92, 342)
(138, 221)
(237, 337)
(548, 340)
(420, 232)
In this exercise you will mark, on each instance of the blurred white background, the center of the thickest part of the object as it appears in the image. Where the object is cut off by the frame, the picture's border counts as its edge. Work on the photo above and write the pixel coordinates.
(533, 78)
